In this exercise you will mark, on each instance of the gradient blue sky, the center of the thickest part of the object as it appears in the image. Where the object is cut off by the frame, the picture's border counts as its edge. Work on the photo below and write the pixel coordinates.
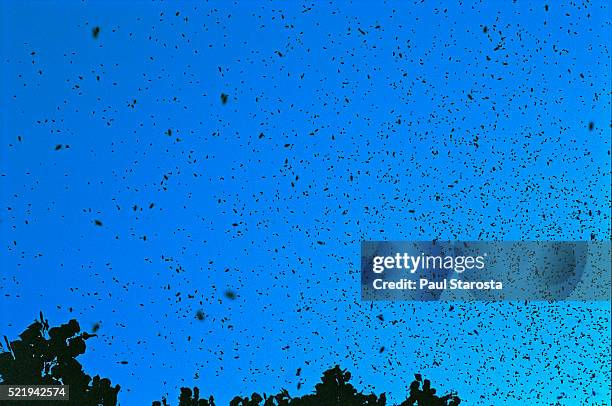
(344, 122)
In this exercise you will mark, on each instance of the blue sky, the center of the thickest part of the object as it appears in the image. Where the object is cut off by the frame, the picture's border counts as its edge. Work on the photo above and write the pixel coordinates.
(343, 122)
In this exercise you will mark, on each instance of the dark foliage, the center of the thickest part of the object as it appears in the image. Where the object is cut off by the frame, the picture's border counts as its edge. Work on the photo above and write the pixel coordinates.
(47, 356)
(426, 396)
(333, 390)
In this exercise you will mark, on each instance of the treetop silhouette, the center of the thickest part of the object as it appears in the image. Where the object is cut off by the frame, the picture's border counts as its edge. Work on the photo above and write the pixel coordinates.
(333, 390)
(47, 356)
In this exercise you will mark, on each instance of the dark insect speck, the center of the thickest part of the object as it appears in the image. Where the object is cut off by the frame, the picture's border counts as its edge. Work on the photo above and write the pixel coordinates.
(95, 32)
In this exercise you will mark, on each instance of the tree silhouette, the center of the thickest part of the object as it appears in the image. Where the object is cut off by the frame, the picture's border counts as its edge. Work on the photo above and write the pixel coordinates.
(426, 396)
(333, 390)
(189, 398)
(47, 356)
